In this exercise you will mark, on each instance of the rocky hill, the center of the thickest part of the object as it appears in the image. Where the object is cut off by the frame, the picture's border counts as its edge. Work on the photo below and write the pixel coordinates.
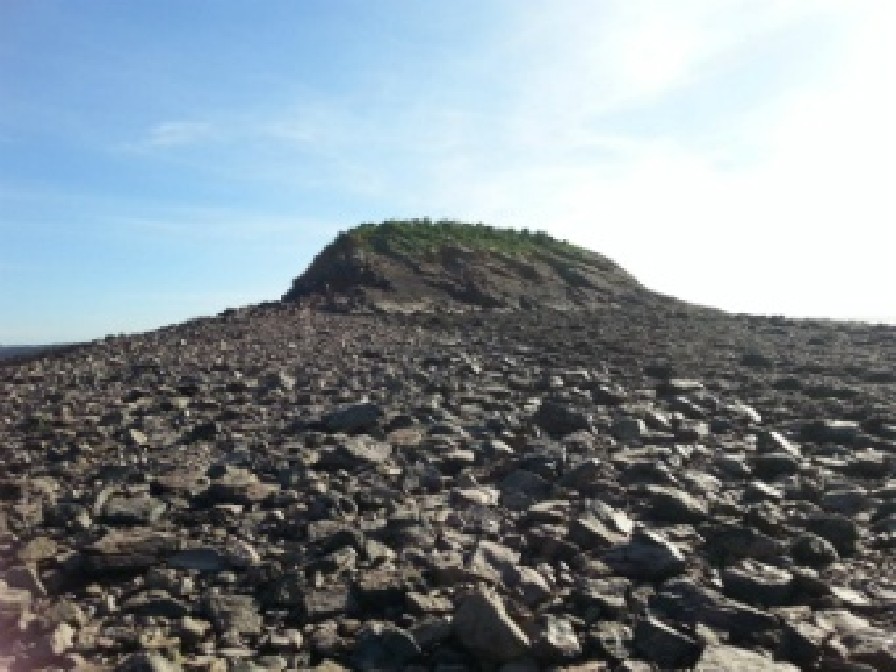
(646, 486)
(446, 265)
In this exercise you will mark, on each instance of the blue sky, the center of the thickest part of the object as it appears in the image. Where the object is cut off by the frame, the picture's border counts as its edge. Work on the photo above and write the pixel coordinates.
(162, 159)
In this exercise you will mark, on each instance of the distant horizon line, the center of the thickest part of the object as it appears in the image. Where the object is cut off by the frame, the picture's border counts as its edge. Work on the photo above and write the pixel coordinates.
(889, 321)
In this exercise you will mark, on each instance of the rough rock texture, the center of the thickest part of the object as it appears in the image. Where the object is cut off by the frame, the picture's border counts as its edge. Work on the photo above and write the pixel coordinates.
(419, 265)
(283, 488)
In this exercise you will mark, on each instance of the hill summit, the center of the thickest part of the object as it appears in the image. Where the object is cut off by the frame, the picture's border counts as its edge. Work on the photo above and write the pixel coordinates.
(420, 264)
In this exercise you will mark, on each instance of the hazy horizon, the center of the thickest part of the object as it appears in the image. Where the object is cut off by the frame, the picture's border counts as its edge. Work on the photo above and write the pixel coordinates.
(166, 160)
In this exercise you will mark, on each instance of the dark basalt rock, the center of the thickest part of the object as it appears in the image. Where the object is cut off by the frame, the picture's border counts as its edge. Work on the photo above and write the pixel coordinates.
(627, 484)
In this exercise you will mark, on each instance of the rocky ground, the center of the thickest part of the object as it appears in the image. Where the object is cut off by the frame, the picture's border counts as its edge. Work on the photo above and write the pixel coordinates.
(637, 488)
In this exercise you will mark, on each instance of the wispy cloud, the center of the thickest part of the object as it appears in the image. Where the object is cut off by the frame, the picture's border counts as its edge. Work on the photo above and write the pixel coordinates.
(173, 134)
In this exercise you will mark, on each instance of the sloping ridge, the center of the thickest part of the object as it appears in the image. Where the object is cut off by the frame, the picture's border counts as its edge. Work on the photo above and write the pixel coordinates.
(419, 265)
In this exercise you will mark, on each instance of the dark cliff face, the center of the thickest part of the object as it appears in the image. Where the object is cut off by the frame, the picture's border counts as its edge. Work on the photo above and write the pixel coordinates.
(419, 265)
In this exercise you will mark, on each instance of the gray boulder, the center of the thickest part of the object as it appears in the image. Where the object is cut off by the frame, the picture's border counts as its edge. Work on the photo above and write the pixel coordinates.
(646, 556)
(483, 626)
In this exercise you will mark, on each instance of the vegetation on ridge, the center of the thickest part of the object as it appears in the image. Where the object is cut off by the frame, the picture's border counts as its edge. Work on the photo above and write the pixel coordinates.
(421, 236)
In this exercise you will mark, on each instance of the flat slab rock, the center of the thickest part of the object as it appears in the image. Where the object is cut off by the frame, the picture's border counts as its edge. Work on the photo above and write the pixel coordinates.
(482, 624)
(720, 658)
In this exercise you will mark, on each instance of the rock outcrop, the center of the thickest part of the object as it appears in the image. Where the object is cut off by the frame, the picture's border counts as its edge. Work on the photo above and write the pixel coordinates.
(418, 265)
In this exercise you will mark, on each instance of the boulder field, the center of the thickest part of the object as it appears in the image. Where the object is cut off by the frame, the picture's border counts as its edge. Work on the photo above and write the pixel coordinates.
(641, 486)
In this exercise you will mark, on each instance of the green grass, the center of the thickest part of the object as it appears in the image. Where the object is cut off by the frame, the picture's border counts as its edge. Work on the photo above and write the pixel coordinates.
(423, 236)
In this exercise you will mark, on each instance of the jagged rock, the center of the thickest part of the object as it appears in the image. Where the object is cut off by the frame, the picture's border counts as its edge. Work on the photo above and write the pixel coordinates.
(646, 556)
(357, 452)
(842, 532)
(773, 465)
(674, 506)
(591, 534)
(664, 645)
(522, 487)
(685, 602)
(483, 627)
(814, 551)
(133, 510)
(38, 549)
(528, 583)
(238, 486)
(354, 418)
(555, 640)
(321, 603)
(558, 419)
(383, 645)
(13, 603)
(721, 658)
(237, 613)
(612, 639)
(775, 442)
(755, 583)
(145, 661)
(627, 429)
(726, 542)
(605, 597)
(836, 431)
(129, 549)
(846, 501)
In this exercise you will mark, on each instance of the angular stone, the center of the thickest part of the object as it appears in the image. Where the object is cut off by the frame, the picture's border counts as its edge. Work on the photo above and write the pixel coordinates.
(628, 429)
(37, 550)
(354, 418)
(133, 510)
(813, 551)
(556, 640)
(646, 556)
(520, 488)
(775, 442)
(727, 542)
(686, 602)
(357, 452)
(841, 531)
(723, 658)
(591, 534)
(663, 645)
(559, 419)
(237, 613)
(529, 584)
(13, 603)
(384, 646)
(677, 386)
(322, 603)
(755, 583)
(145, 661)
(673, 505)
(613, 639)
(847, 501)
(484, 628)
(831, 431)
(131, 549)
(61, 639)
(774, 465)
